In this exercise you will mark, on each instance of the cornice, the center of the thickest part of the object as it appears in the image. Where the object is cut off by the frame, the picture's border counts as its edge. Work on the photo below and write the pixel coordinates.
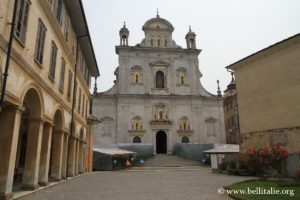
(153, 49)
(268, 51)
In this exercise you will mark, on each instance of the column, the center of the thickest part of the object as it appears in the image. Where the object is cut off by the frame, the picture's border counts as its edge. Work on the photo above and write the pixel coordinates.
(45, 154)
(64, 159)
(57, 154)
(84, 157)
(76, 156)
(32, 157)
(80, 162)
(71, 157)
(10, 118)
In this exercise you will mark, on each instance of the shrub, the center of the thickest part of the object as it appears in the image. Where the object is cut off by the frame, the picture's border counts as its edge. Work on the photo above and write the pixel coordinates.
(265, 159)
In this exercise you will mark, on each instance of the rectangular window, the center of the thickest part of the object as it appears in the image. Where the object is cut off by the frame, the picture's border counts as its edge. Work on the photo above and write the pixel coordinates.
(70, 77)
(79, 101)
(87, 76)
(73, 43)
(66, 30)
(21, 20)
(40, 41)
(58, 11)
(83, 103)
(52, 61)
(86, 108)
(75, 93)
(82, 63)
(62, 75)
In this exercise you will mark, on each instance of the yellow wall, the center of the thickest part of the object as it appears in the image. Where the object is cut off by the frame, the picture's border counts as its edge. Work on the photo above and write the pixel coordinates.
(268, 88)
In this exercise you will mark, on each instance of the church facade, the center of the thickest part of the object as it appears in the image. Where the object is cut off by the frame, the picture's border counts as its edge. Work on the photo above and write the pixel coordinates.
(157, 97)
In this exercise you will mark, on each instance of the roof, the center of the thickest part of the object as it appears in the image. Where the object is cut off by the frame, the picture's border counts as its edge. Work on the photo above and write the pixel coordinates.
(224, 148)
(263, 50)
(78, 18)
(112, 151)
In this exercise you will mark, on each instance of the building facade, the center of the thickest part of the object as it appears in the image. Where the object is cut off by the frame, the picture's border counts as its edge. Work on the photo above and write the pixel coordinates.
(231, 116)
(268, 97)
(157, 97)
(45, 131)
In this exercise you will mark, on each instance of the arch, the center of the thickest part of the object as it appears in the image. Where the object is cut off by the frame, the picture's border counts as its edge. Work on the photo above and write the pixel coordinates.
(60, 111)
(185, 139)
(161, 142)
(33, 86)
(58, 120)
(160, 79)
(136, 139)
(32, 103)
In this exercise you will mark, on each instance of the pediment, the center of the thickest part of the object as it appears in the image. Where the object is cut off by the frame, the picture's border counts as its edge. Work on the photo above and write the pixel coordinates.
(159, 64)
(211, 120)
(182, 69)
(136, 67)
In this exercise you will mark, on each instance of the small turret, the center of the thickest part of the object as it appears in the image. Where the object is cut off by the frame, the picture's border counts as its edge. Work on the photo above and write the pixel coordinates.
(124, 34)
(190, 39)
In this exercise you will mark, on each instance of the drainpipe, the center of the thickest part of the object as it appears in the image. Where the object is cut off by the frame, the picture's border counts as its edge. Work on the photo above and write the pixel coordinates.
(73, 100)
(11, 36)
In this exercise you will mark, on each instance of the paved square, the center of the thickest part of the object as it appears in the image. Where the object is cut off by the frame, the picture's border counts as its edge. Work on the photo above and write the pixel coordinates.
(188, 183)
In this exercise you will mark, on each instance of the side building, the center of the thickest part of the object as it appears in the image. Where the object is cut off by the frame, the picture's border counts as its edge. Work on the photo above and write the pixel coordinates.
(231, 115)
(45, 126)
(268, 87)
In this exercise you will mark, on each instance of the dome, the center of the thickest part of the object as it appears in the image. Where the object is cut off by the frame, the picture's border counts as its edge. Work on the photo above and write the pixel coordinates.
(158, 23)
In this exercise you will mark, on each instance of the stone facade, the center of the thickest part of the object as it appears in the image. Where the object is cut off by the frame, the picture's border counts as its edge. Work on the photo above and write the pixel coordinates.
(157, 97)
(268, 98)
(37, 140)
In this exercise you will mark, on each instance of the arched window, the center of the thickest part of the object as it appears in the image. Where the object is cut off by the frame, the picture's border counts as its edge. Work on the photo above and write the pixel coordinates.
(160, 79)
(165, 43)
(136, 139)
(181, 79)
(185, 139)
(136, 78)
(151, 42)
(158, 42)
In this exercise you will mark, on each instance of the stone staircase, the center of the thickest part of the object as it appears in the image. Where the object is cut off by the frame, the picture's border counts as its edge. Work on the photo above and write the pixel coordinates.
(169, 163)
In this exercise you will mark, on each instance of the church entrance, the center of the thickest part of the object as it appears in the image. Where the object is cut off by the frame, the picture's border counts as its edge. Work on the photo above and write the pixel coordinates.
(161, 142)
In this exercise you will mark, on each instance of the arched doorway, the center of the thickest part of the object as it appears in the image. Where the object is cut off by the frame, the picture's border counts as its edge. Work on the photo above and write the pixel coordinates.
(28, 146)
(161, 142)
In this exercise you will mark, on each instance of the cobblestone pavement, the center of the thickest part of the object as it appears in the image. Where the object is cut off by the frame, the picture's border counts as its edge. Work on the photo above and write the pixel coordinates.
(168, 184)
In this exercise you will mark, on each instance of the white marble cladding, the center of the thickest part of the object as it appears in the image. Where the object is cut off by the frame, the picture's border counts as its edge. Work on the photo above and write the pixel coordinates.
(128, 58)
(117, 111)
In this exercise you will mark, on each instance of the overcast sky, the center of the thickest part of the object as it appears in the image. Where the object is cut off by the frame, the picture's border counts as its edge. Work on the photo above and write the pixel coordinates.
(227, 31)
